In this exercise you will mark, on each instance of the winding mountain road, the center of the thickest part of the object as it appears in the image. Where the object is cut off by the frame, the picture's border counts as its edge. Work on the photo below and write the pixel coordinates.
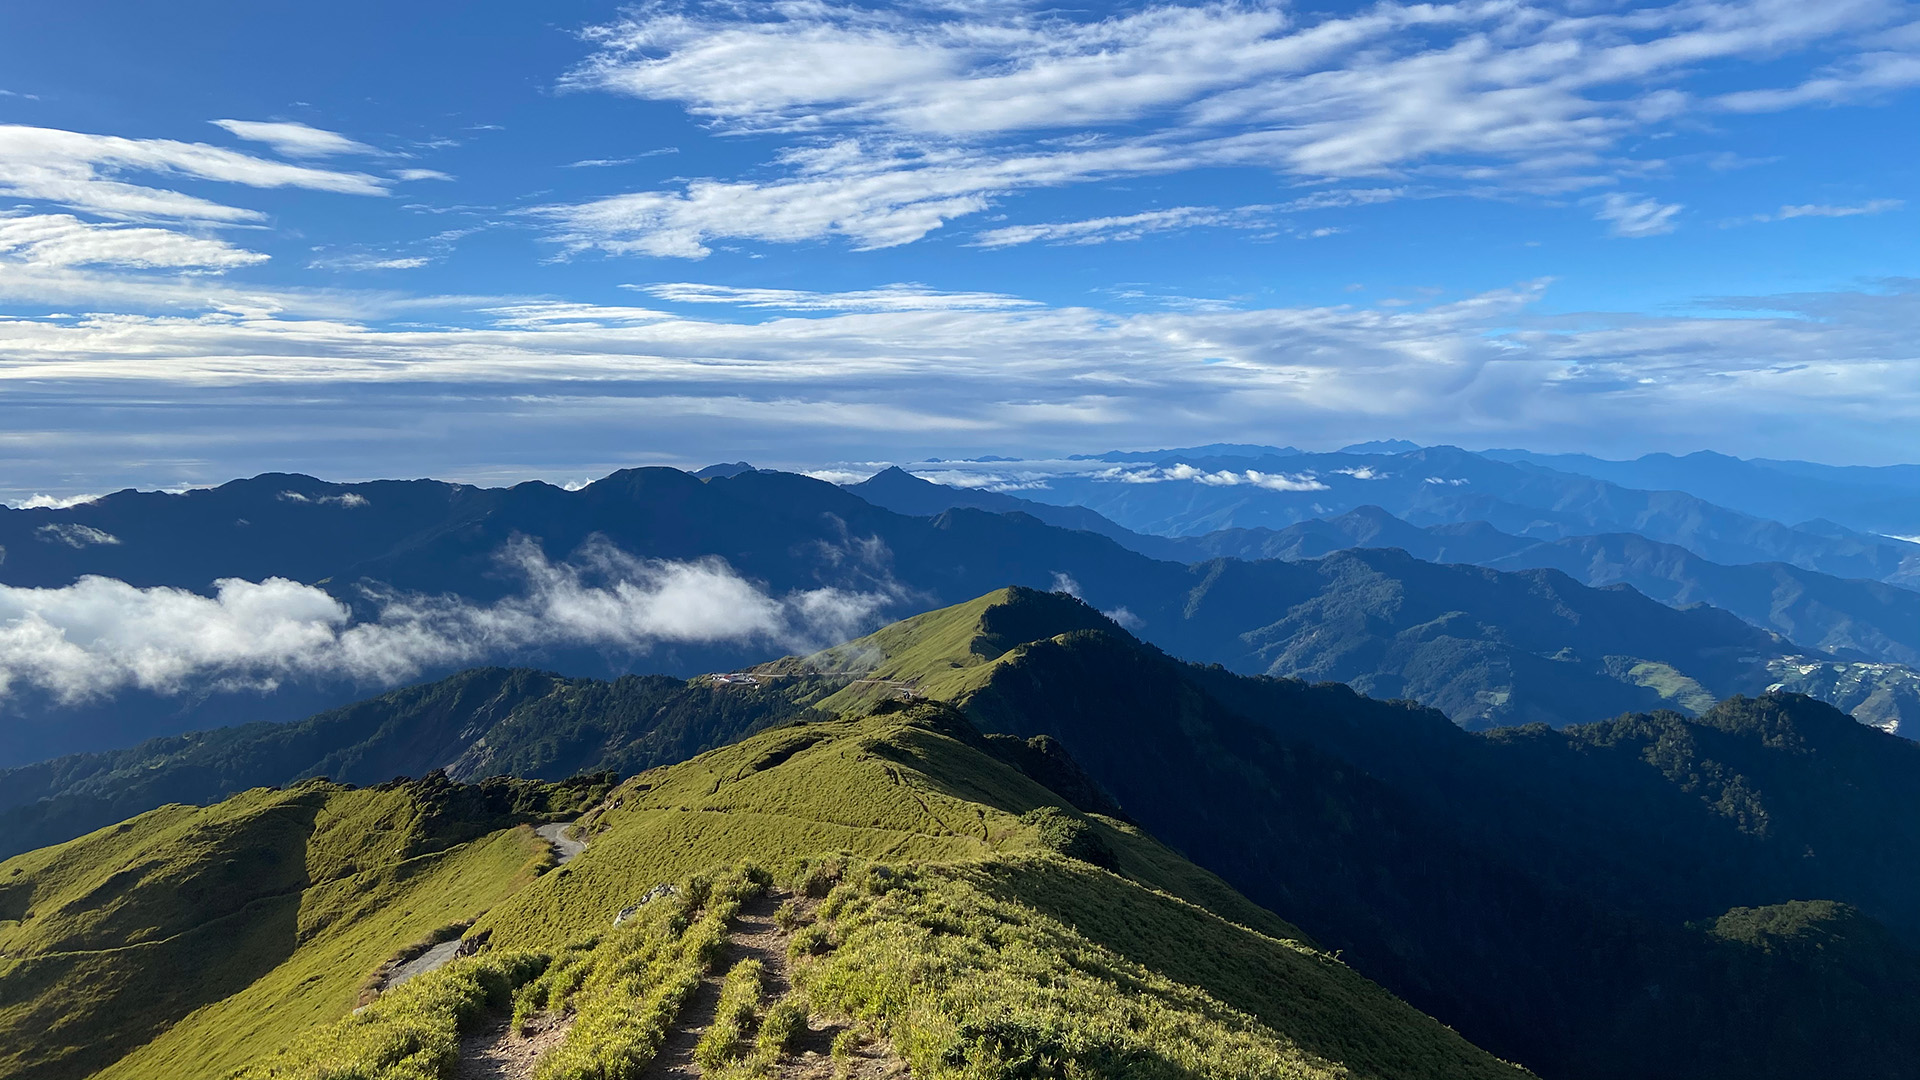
(565, 847)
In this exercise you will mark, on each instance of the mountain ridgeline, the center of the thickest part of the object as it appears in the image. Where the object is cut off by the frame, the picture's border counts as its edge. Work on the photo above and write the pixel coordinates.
(1489, 648)
(1861, 637)
(475, 724)
(1731, 894)
(919, 901)
(1653, 896)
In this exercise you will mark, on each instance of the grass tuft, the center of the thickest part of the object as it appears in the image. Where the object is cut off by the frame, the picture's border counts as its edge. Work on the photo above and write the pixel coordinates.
(724, 1039)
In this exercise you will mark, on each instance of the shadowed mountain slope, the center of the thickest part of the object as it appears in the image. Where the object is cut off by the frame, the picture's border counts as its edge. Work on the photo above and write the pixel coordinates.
(1534, 888)
(478, 723)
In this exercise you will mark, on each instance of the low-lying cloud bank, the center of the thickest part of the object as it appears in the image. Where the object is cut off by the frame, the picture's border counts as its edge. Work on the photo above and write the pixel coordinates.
(99, 636)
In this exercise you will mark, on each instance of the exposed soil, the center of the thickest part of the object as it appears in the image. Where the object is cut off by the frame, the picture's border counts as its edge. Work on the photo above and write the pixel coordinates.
(497, 1052)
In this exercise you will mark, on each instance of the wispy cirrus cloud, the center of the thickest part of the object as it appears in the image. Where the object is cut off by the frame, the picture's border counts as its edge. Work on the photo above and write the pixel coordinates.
(902, 120)
(933, 379)
(1103, 230)
(1636, 216)
(898, 297)
(1829, 210)
(291, 139)
(84, 172)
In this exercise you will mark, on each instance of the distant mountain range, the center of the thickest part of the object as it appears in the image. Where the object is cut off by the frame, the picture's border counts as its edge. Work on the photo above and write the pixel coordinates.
(1883, 499)
(1870, 628)
(1192, 492)
(1489, 648)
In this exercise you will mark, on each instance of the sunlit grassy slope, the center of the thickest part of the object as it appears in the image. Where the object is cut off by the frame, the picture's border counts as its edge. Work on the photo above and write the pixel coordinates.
(186, 941)
(954, 924)
(914, 784)
(946, 653)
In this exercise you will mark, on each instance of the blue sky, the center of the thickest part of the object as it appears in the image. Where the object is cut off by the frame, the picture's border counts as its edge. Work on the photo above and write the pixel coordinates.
(492, 241)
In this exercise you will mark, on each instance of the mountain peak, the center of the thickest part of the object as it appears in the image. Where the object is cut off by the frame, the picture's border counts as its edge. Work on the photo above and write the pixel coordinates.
(1382, 446)
(947, 652)
(894, 476)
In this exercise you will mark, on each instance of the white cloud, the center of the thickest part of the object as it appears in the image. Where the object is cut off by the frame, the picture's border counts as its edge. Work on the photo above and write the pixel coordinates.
(294, 139)
(914, 120)
(348, 499)
(603, 163)
(551, 314)
(361, 260)
(73, 535)
(1859, 77)
(874, 197)
(816, 386)
(1636, 216)
(62, 240)
(1337, 197)
(1873, 206)
(1217, 478)
(99, 636)
(81, 171)
(1124, 227)
(896, 297)
(53, 502)
(421, 174)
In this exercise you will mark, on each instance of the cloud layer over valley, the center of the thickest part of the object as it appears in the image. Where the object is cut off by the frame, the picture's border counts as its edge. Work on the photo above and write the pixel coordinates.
(97, 637)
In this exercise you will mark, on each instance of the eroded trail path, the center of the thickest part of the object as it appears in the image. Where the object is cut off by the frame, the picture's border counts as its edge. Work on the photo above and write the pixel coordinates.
(497, 1052)
(753, 936)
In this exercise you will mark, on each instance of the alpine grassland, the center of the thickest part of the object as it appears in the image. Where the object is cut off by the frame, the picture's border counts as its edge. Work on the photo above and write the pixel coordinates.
(187, 941)
(932, 907)
(410, 1034)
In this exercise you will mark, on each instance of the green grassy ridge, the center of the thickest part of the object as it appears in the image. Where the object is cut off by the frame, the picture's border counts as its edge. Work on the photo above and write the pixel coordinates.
(1527, 885)
(477, 723)
(979, 969)
(1042, 966)
(187, 940)
(912, 784)
(915, 786)
(942, 653)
